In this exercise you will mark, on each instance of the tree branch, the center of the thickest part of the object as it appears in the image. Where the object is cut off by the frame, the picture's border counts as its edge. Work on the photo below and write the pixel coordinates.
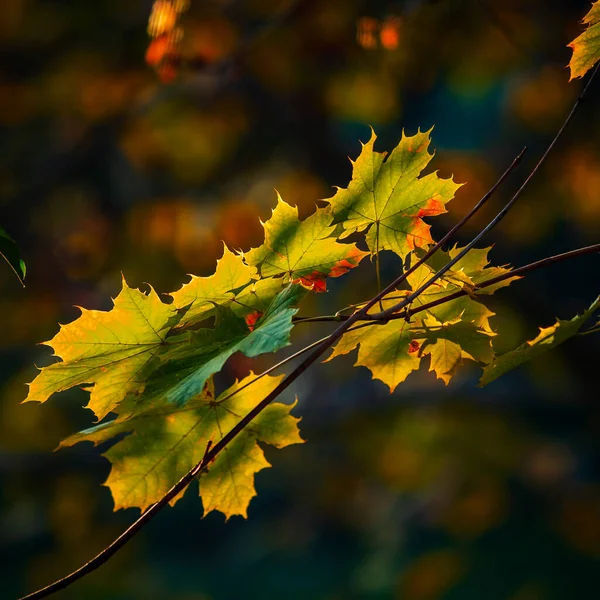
(360, 315)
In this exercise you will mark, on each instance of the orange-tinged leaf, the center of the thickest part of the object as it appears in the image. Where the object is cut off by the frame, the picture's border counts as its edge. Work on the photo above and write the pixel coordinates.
(302, 251)
(388, 198)
(165, 441)
(586, 47)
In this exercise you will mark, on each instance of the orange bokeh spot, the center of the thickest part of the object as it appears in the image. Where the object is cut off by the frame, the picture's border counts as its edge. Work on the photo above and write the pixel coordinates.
(390, 33)
(366, 32)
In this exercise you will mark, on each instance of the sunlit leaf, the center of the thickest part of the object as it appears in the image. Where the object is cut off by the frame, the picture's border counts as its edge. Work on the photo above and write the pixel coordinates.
(471, 270)
(165, 442)
(126, 351)
(107, 349)
(586, 47)
(302, 251)
(448, 334)
(548, 338)
(202, 295)
(389, 200)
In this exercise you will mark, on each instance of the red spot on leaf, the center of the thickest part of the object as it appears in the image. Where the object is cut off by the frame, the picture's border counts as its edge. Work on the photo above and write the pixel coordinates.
(315, 282)
(413, 347)
(423, 146)
(252, 318)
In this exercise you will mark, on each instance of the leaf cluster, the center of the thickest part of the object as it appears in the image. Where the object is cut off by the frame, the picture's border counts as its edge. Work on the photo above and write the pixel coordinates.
(149, 363)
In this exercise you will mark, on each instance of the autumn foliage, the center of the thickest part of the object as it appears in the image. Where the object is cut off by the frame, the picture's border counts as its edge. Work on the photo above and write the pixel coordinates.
(151, 362)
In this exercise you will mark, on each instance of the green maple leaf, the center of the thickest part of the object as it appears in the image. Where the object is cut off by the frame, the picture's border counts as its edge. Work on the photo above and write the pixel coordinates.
(165, 442)
(10, 253)
(202, 295)
(302, 251)
(127, 352)
(448, 334)
(194, 356)
(388, 199)
(259, 294)
(586, 47)
(108, 349)
(548, 338)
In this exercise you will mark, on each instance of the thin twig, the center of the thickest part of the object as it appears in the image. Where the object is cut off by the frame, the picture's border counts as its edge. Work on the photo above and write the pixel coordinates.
(518, 272)
(275, 367)
(320, 349)
(129, 533)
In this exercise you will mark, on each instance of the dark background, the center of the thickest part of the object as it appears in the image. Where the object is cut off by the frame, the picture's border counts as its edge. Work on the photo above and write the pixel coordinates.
(432, 493)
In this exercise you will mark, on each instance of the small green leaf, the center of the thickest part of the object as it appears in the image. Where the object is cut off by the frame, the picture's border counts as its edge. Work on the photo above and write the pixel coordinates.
(10, 253)
(548, 338)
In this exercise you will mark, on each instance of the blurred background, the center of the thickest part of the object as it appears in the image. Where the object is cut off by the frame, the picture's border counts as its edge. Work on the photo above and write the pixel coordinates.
(136, 147)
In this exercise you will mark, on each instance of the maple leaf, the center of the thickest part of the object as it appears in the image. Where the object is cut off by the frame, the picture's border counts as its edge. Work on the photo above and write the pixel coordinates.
(388, 199)
(448, 334)
(586, 47)
(202, 295)
(126, 352)
(302, 251)
(165, 442)
(548, 338)
(186, 363)
(107, 348)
